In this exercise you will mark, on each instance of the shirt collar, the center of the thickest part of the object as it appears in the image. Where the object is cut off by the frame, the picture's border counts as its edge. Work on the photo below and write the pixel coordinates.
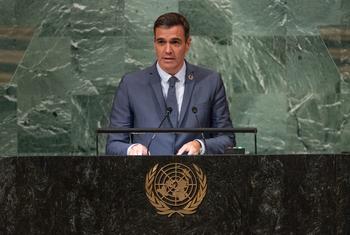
(179, 75)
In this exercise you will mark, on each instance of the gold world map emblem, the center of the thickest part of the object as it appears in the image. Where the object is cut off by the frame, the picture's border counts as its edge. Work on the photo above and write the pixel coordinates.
(175, 188)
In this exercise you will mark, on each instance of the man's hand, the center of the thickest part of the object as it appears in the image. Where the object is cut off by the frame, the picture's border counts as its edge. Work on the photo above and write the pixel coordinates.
(137, 149)
(191, 148)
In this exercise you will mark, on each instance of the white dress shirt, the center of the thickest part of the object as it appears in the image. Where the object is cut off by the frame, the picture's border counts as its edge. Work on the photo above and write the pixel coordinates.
(179, 86)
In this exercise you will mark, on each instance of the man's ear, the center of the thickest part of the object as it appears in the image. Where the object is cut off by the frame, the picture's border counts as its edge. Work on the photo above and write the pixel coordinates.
(188, 42)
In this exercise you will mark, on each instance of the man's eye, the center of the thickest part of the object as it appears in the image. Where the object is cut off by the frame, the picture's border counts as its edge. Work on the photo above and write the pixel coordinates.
(175, 42)
(161, 42)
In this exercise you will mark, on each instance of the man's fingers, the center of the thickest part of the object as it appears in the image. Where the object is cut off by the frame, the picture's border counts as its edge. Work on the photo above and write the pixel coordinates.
(144, 151)
(187, 148)
(181, 150)
(192, 151)
(192, 148)
(139, 150)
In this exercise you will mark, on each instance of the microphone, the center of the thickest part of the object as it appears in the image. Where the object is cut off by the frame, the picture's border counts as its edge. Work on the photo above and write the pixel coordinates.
(168, 112)
(194, 111)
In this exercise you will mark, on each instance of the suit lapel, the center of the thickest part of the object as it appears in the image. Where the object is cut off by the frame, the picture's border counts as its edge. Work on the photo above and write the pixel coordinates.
(154, 81)
(190, 81)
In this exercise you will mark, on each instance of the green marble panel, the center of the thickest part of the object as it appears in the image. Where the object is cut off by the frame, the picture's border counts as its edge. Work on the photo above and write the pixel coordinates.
(249, 64)
(45, 70)
(8, 120)
(342, 127)
(345, 15)
(319, 124)
(259, 18)
(287, 86)
(45, 128)
(98, 61)
(63, 17)
(139, 53)
(50, 17)
(304, 17)
(45, 82)
(55, 18)
(97, 18)
(266, 112)
(140, 15)
(7, 12)
(345, 84)
(89, 113)
(209, 18)
(310, 70)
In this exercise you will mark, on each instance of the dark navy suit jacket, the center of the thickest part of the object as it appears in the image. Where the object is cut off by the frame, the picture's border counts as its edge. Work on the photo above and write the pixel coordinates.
(139, 103)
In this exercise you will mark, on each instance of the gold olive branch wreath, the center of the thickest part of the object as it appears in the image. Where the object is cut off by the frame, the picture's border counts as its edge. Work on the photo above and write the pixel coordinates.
(189, 208)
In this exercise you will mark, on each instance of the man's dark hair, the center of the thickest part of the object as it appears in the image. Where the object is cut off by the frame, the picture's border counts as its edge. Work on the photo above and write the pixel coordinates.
(171, 19)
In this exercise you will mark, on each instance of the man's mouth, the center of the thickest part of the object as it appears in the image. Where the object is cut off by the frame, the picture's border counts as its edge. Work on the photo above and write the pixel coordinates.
(168, 59)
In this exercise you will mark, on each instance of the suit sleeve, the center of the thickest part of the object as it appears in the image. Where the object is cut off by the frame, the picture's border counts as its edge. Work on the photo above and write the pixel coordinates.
(121, 117)
(220, 118)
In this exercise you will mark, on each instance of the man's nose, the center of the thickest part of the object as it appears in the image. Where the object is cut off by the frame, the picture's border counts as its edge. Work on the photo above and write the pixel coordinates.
(168, 48)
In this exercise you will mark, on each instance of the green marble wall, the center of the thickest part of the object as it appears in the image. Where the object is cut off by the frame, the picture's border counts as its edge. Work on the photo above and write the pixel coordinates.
(277, 70)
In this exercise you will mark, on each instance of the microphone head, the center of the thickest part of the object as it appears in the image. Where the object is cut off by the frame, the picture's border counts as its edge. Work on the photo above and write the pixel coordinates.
(194, 109)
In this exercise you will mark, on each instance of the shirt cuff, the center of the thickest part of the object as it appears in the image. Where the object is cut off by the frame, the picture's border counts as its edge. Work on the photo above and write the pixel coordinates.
(202, 151)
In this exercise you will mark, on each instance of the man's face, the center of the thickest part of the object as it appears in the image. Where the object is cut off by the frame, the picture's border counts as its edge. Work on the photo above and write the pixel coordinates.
(171, 48)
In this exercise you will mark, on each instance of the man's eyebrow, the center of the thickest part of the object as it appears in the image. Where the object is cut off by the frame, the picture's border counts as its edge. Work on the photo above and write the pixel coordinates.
(171, 40)
(176, 39)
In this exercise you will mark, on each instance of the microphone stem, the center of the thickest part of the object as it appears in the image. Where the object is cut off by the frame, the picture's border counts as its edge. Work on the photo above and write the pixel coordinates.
(203, 137)
(154, 135)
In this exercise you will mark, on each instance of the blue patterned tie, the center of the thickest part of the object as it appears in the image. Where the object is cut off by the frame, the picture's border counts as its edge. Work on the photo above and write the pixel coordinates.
(171, 101)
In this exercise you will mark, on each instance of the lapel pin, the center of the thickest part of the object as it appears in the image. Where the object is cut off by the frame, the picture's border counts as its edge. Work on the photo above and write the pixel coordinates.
(190, 76)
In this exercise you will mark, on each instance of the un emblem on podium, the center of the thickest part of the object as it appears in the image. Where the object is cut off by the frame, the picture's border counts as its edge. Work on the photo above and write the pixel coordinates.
(176, 188)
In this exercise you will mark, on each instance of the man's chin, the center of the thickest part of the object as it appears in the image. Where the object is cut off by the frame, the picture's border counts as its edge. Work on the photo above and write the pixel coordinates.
(168, 67)
(169, 62)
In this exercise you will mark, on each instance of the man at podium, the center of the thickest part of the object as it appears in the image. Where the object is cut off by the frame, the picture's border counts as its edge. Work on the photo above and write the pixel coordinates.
(171, 93)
